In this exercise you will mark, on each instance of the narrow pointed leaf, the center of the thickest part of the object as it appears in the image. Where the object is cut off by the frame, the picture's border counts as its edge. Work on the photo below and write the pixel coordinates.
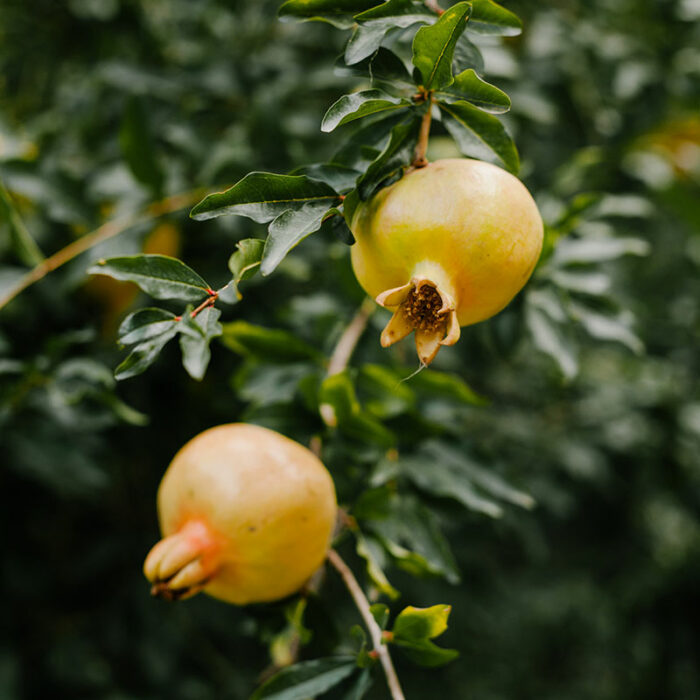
(489, 17)
(594, 250)
(392, 160)
(358, 105)
(467, 55)
(289, 229)
(145, 324)
(24, 246)
(386, 67)
(243, 263)
(158, 275)
(266, 343)
(195, 345)
(340, 177)
(433, 47)
(364, 41)
(469, 86)
(479, 134)
(264, 196)
(143, 355)
(607, 328)
(337, 12)
(307, 679)
(551, 339)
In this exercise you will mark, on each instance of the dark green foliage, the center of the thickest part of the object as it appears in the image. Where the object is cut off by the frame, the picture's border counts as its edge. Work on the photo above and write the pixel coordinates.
(541, 478)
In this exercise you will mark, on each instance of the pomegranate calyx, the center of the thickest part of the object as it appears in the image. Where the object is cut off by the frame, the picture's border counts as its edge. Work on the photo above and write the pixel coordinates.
(421, 306)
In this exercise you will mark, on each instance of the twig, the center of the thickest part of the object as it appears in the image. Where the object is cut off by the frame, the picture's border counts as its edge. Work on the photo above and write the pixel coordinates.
(432, 5)
(419, 159)
(375, 632)
(108, 230)
(350, 337)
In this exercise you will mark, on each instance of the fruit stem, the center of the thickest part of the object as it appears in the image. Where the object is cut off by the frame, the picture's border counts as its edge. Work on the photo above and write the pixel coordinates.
(419, 159)
(381, 649)
(169, 205)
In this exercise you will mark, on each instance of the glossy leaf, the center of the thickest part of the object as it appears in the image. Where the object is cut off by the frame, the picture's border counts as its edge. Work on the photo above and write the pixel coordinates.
(469, 86)
(159, 276)
(467, 55)
(479, 134)
(489, 17)
(371, 552)
(364, 41)
(195, 344)
(337, 12)
(386, 68)
(264, 196)
(452, 386)
(340, 177)
(433, 47)
(425, 653)
(397, 13)
(145, 324)
(266, 343)
(391, 162)
(143, 355)
(243, 264)
(595, 250)
(413, 624)
(358, 105)
(306, 679)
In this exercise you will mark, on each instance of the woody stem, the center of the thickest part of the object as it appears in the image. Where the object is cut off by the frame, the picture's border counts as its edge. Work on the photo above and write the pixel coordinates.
(419, 159)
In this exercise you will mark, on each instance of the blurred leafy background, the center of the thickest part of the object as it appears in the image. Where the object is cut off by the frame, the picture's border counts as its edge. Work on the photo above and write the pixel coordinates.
(591, 375)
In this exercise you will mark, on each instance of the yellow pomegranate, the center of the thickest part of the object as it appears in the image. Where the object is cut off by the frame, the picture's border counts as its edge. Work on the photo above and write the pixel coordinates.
(448, 245)
(246, 516)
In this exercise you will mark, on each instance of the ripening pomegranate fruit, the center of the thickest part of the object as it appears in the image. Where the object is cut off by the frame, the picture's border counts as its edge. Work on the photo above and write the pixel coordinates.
(448, 245)
(246, 516)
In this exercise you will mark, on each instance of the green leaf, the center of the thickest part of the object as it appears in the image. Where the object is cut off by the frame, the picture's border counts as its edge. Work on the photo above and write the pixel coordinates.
(592, 283)
(340, 177)
(397, 13)
(337, 393)
(549, 336)
(467, 55)
(364, 41)
(371, 552)
(463, 469)
(380, 613)
(337, 12)
(391, 162)
(451, 386)
(469, 86)
(143, 355)
(595, 250)
(145, 324)
(359, 688)
(138, 147)
(265, 343)
(243, 263)
(306, 679)
(264, 196)
(606, 327)
(389, 397)
(158, 275)
(385, 67)
(197, 334)
(425, 653)
(289, 229)
(478, 134)
(335, 223)
(410, 533)
(415, 624)
(433, 47)
(21, 240)
(491, 18)
(358, 105)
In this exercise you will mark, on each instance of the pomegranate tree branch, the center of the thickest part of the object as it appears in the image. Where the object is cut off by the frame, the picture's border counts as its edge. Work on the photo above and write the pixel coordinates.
(381, 649)
(108, 230)
(419, 159)
(350, 337)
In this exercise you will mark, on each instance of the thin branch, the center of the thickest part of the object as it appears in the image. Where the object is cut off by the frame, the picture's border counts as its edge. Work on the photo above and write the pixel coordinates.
(350, 337)
(432, 5)
(374, 630)
(419, 159)
(165, 206)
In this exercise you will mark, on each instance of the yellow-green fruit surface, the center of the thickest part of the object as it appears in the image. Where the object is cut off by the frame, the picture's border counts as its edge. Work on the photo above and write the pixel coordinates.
(267, 505)
(470, 227)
